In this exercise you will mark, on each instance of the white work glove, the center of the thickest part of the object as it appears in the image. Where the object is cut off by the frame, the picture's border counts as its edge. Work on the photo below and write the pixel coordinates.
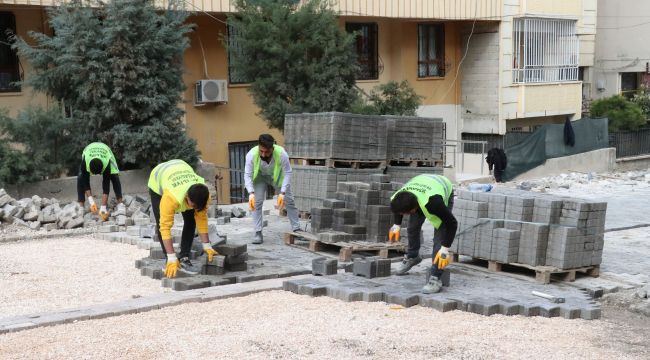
(93, 206)
(393, 233)
(442, 258)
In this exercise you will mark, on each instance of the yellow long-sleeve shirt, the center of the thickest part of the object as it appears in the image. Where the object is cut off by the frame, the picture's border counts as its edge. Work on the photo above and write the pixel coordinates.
(168, 206)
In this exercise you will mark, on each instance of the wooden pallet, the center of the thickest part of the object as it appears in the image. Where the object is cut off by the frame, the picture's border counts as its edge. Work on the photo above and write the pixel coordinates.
(542, 273)
(416, 163)
(341, 163)
(305, 215)
(345, 248)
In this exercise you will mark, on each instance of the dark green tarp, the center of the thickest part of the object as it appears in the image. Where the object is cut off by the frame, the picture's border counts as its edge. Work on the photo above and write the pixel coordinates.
(547, 142)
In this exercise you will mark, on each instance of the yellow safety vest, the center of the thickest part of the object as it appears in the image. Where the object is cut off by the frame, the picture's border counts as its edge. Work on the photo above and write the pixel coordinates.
(101, 151)
(175, 176)
(423, 187)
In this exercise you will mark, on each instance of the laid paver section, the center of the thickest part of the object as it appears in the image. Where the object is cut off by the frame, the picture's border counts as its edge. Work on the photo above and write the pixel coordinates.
(470, 290)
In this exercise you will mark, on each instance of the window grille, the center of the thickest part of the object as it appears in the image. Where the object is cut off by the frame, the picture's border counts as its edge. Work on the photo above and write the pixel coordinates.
(545, 50)
(366, 45)
(234, 77)
(431, 50)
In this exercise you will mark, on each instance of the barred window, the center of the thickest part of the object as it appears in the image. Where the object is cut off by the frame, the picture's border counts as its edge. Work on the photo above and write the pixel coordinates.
(431, 50)
(234, 77)
(545, 50)
(366, 48)
(9, 66)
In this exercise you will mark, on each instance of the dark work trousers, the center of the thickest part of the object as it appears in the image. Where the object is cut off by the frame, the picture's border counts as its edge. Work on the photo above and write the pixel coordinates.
(189, 226)
(83, 182)
(415, 227)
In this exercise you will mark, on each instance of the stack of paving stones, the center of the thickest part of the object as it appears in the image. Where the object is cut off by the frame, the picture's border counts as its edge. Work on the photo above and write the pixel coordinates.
(231, 258)
(519, 227)
(336, 136)
(360, 211)
(359, 138)
(415, 138)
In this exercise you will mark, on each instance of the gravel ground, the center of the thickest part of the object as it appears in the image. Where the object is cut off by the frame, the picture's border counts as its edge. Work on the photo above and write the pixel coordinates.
(61, 273)
(279, 324)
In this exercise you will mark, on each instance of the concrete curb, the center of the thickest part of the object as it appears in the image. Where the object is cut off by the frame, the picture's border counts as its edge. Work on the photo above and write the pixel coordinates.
(139, 305)
(14, 238)
(627, 227)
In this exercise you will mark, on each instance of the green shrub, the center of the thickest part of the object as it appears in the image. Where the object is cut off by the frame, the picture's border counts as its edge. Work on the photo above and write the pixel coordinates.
(642, 99)
(392, 98)
(622, 113)
(46, 138)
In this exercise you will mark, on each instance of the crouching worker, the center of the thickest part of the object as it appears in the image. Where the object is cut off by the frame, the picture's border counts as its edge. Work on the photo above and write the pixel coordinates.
(425, 197)
(97, 158)
(174, 187)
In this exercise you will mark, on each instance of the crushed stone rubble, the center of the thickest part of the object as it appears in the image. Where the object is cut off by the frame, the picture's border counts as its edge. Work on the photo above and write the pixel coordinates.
(37, 214)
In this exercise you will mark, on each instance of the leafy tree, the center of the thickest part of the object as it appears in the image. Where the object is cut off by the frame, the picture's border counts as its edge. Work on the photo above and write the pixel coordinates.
(392, 98)
(622, 113)
(299, 58)
(642, 99)
(117, 67)
(46, 139)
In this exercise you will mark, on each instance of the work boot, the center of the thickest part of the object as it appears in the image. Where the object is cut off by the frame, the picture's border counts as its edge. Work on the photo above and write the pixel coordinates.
(434, 285)
(407, 264)
(187, 267)
(258, 239)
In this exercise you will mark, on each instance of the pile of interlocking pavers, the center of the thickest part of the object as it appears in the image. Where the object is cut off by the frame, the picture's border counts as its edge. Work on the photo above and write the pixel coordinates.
(536, 229)
(387, 140)
(359, 211)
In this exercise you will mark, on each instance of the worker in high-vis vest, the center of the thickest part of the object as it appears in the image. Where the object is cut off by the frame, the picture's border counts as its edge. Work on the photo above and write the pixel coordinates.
(174, 188)
(267, 164)
(425, 197)
(97, 158)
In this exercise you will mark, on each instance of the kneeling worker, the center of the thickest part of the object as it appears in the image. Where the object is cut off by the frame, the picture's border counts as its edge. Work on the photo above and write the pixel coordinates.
(174, 187)
(97, 158)
(429, 197)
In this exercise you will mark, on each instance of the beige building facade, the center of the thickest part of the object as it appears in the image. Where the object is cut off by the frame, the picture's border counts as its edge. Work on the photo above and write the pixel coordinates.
(460, 55)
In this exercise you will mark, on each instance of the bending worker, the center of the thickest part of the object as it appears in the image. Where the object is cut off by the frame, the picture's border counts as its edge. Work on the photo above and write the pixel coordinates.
(97, 158)
(268, 164)
(174, 187)
(429, 197)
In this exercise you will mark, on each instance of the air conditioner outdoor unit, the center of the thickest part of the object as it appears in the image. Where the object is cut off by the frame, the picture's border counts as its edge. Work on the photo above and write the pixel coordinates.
(211, 91)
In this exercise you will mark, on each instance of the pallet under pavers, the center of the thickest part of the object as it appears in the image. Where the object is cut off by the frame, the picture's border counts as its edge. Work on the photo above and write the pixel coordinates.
(345, 248)
(137, 305)
(543, 273)
(470, 290)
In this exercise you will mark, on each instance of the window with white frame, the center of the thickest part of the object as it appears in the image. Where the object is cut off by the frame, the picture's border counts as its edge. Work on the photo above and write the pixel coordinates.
(544, 50)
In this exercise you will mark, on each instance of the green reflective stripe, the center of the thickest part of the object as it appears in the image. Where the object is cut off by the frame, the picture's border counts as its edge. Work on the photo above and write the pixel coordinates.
(162, 169)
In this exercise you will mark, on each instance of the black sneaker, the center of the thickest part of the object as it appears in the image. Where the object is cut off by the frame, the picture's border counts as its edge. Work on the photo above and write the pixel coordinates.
(187, 267)
(258, 239)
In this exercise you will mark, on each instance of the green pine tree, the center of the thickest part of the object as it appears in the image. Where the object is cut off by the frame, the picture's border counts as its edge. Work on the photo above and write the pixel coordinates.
(298, 57)
(118, 68)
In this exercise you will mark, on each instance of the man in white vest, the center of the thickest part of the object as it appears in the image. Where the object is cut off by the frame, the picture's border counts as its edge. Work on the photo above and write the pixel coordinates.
(268, 164)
